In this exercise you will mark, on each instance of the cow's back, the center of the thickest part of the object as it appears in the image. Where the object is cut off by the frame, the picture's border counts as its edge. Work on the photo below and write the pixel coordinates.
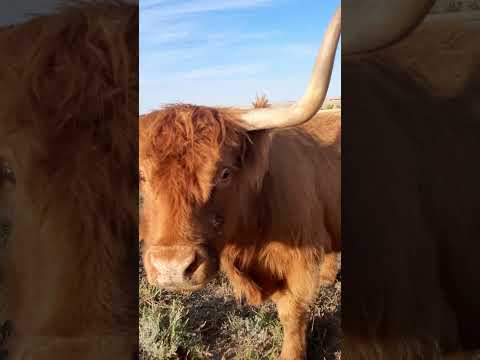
(326, 128)
(307, 162)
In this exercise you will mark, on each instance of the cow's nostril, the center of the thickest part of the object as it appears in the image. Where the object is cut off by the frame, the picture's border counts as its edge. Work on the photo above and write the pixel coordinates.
(190, 270)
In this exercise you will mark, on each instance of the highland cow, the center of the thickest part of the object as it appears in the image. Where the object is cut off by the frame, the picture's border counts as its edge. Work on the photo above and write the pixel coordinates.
(255, 193)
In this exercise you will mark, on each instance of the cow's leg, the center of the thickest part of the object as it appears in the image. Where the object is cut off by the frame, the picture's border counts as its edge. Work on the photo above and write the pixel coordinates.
(303, 282)
(243, 286)
(329, 269)
(294, 319)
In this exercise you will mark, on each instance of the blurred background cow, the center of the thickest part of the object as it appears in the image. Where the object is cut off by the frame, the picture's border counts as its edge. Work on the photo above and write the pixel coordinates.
(68, 153)
(410, 188)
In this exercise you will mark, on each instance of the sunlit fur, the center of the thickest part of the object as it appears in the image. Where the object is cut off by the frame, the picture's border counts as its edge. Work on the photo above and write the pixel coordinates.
(411, 217)
(281, 209)
(69, 93)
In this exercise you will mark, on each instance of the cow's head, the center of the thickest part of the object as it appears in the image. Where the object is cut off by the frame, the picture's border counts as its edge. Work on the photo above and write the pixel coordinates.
(201, 171)
(191, 164)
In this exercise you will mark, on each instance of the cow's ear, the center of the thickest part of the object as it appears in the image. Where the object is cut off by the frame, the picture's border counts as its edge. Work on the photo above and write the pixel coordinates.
(254, 156)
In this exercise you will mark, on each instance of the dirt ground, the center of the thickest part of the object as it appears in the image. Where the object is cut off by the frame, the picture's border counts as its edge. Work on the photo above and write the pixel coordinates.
(210, 324)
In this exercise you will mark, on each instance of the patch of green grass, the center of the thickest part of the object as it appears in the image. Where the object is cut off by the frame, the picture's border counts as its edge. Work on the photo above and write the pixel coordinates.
(210, 324)
(332, 105)
(164, 329)
(256, 337)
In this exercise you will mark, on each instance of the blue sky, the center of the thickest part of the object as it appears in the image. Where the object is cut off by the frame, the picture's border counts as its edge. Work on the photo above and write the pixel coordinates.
(224, 52)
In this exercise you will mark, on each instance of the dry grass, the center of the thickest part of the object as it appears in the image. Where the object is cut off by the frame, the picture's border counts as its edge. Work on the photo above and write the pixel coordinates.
(261, 102)
(165, 329)
(331, 106)
(210, 324)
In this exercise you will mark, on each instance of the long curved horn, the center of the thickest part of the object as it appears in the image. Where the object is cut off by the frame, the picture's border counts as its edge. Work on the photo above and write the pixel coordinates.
(372, 24)
(304, 109)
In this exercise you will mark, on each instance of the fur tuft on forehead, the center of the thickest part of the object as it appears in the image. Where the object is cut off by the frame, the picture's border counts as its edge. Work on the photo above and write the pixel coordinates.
(183, 144)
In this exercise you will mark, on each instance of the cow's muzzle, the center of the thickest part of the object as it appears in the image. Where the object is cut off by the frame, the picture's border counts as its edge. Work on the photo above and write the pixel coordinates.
(177, 267)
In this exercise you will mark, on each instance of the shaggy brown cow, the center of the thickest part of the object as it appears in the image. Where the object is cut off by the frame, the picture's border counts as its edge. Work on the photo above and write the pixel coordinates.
(223, 187)
(410, 200)
(69, 143)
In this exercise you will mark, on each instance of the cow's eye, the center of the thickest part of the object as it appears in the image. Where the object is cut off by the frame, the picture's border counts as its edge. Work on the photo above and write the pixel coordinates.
(225, 175)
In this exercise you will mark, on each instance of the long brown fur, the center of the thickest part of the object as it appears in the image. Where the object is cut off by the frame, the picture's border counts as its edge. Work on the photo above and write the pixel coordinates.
(279, 227)
(66, 112)
(181, 139)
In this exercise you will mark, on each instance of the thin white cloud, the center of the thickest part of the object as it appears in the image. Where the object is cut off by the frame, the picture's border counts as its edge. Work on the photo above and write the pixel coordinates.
(169, 32)
(200, 6)
(222, 72)
(153, 63)
(159, 63)
(168, 21)
(150, 3)
(238, 38)
(300, 50)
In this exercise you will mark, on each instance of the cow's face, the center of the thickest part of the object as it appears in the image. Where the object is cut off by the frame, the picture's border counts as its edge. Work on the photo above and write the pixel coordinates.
(182, 236)
(193, 176)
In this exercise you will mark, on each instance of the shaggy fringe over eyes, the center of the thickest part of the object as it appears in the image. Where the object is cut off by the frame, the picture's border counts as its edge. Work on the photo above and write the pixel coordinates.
(179, 140)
